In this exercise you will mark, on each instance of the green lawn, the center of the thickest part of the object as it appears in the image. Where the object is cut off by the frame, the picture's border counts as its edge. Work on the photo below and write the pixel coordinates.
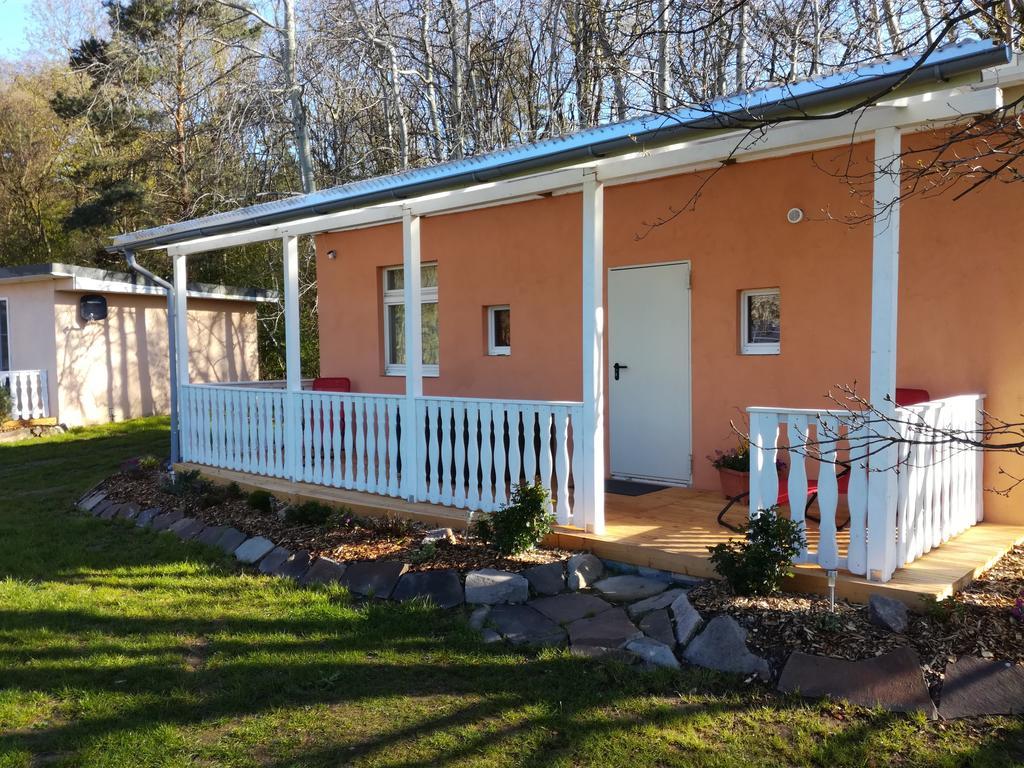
(120, 647)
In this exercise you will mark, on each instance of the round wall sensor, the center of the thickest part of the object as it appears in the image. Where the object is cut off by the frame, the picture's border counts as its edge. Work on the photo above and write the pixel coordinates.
(794, 216)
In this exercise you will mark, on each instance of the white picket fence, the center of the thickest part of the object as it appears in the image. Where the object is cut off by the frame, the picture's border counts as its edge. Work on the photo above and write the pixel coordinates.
(939, 485)
(30, 397)
(470, 453)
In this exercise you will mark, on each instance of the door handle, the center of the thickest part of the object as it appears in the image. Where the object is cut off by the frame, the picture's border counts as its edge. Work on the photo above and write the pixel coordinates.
(619, 367)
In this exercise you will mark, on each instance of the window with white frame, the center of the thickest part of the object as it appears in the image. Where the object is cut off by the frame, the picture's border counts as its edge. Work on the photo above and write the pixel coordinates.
(394, 320)
(5, 338)
(760, 326)
(499, 330)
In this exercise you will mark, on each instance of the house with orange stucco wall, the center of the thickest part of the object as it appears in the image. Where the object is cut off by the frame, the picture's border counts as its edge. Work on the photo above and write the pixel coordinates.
(602, 312)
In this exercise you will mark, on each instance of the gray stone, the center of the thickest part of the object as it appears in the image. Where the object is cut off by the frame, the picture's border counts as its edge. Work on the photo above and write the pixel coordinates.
(166, 520)
(658, 625)
(687, 619)
(609, 629)
(109, 512)
(211, 535)
(129, 511)
(723, 646)
(893, 681)
(101, 507)
(478, 618)
(376, 578)
(570, 607)
(274, 559)
(491, 586)
(521, 625)
(442, 588)
(296, 566)
(324, 571)
(664, 600)
(887, 613)
(145, 517)
(439, 536)
(975, 687)
(583, 570)
(490, 636)
(230, 540)
(547, 579)
(187, 528)
(627, 588)
(605, 654)
(90, 502)
(253, 550)
(652, 652)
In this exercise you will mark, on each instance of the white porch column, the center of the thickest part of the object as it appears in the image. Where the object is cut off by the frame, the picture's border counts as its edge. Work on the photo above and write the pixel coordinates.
(592, 431)
(181, 351)
(292, 357)
(412, 471)
(885, 262)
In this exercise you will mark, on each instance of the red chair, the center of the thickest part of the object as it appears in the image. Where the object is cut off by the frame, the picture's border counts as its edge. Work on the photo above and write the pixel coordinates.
(911, 396)
(332, 384)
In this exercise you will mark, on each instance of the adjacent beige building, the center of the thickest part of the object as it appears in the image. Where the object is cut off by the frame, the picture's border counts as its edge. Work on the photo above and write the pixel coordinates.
(79, 371)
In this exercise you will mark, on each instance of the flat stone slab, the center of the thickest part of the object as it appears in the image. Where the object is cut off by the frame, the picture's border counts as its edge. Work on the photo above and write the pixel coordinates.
(546, 579)
(145, 517)
(230, 540)
(273, 560)
(892, 681)
(165, 521)
(252, 550)
(522, 625)
(101, 507)
(609, 629)
(91, 501)
(129, 511)
(491, 587)
(187, 528)
(373, 578)
(723, 646)
(628, 587)
(570, 607)
(655, 603)
(687, 618)
(652, 652)
(108, 511)
(582, 571)
(658, 625)
(296, 566)
(442, 588)
(211, 535)
(324, 571)
(975, 687)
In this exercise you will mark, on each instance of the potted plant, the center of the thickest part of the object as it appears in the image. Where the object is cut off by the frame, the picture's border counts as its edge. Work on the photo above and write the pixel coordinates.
(733, 468)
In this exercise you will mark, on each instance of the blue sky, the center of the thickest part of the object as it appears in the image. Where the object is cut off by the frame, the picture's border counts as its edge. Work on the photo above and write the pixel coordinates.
(13, 23)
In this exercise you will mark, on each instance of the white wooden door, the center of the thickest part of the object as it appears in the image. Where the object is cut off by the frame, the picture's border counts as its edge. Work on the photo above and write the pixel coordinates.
(649, 391)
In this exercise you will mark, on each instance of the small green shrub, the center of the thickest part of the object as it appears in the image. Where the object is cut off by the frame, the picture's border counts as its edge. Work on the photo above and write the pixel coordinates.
(261, 501)
(391, 525)
(521, 524)
(149, 463)
(944, 610)
(185, 483)
(423, 554)
(6, 404)
(234, 491)
(828, 622)
(757, 565)
(308, 513)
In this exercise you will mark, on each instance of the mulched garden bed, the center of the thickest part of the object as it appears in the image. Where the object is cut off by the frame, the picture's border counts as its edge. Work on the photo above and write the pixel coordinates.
(388, 538)
(976, 622)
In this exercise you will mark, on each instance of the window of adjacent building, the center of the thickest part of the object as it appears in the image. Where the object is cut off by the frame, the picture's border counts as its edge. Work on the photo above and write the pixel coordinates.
(760, 327)
(499, 330)
(394, 320)
(5, 338)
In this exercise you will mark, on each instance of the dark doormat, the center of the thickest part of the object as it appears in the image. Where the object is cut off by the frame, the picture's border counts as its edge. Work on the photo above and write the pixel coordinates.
(630, 487)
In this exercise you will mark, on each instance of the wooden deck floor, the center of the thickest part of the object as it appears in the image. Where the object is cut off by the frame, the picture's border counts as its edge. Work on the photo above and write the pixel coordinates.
(671, 530)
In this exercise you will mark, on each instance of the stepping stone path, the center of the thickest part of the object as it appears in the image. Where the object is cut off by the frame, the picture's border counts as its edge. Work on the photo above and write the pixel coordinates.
(373, 578)
(627, 588)
(442, 588)
(547, 579)
(723, 646)
(491, 587)
(569, 607)
(522, 625)
(887, 613)
(609, 629)
(974, 687)
(583, 571)
(892, 681)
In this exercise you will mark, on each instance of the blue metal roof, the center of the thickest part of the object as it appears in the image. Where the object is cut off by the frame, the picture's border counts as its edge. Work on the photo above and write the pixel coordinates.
(741, 110)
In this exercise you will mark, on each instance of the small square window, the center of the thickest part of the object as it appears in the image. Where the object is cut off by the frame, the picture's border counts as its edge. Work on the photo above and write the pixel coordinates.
(760, 324)
(499, 330)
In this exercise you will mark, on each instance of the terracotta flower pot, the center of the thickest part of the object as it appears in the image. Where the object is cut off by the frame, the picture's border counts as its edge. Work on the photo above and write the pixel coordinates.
(734, 482)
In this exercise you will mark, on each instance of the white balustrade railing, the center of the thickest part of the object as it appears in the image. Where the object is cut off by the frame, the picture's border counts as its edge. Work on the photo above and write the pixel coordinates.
(470, 453)
(30, 396)
(940, 487)
(829, 453)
